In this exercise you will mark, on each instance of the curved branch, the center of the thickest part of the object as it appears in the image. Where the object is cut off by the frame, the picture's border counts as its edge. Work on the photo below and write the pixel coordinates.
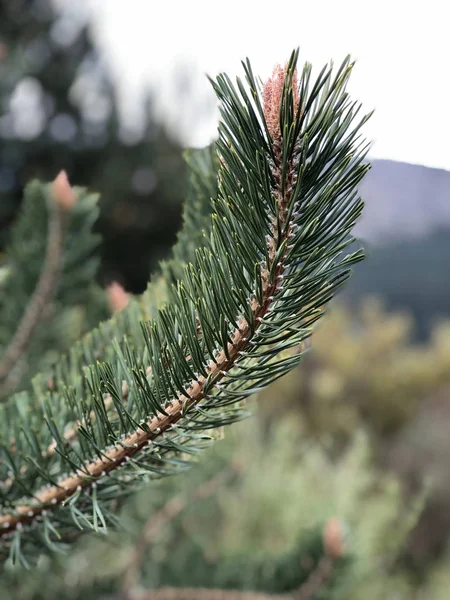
(51, 496)
(281, 240)
(41, 296)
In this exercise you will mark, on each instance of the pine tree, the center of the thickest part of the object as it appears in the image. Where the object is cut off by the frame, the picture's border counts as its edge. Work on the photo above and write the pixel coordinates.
(59, 110)
(251, 273)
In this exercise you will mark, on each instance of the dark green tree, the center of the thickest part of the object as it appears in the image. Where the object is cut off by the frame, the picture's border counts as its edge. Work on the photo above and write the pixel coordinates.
(59, 110)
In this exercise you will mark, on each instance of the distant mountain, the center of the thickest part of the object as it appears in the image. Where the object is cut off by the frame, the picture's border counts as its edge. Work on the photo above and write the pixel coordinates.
(405, 230)
(403, 200)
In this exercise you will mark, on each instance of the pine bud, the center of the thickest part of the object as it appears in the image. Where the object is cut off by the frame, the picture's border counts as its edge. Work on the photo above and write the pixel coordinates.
(117, 297)
(272, 95)
(62, 193)
(334, 538)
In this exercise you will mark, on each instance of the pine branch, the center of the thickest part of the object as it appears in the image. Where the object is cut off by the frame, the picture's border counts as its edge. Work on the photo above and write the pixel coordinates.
(221, 363)
(45, 288)
(317, 580)
(111, 460)
(275, 256)
(334, 546)
(202, 187)
(60, 322)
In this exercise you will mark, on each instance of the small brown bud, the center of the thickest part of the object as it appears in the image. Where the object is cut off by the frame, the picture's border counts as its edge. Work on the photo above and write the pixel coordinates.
(62, 193)
(333, 538)
(272, 95)
(117, 297)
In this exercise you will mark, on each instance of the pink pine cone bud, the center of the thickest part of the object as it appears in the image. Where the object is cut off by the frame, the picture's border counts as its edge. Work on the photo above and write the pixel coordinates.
(334, 538)
(272, 95)
(117, 297)
(62, 193)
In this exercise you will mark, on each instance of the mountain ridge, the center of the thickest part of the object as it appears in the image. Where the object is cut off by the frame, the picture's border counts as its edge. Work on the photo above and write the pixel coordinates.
(403, 200)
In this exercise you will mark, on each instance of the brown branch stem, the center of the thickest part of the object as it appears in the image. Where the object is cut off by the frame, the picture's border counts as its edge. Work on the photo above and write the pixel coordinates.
(69, 437)
(41, 296)
(50, 497)
(318, 578)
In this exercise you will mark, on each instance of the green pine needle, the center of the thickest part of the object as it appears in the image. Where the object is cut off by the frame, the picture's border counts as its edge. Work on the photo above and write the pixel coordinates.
(140, 395)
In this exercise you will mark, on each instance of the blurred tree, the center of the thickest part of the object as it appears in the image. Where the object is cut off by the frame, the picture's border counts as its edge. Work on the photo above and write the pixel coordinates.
(365, 371)
(59, 110)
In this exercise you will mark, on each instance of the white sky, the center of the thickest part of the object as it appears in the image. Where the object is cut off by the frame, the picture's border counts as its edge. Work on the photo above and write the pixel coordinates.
(402, 50)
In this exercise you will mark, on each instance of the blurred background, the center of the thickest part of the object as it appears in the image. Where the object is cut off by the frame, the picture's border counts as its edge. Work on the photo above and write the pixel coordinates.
(114, 91)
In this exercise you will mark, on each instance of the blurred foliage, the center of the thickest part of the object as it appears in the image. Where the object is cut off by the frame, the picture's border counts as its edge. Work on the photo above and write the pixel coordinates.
(364, 370)
(71, 305)
(59, 110)
(257, 530)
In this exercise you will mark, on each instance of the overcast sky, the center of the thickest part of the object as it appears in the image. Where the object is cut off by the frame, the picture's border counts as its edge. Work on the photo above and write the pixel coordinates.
(402, 50)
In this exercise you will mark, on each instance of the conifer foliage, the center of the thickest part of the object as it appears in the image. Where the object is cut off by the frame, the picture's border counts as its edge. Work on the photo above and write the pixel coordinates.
(48, 273)
(60, 110)
(140, 395)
